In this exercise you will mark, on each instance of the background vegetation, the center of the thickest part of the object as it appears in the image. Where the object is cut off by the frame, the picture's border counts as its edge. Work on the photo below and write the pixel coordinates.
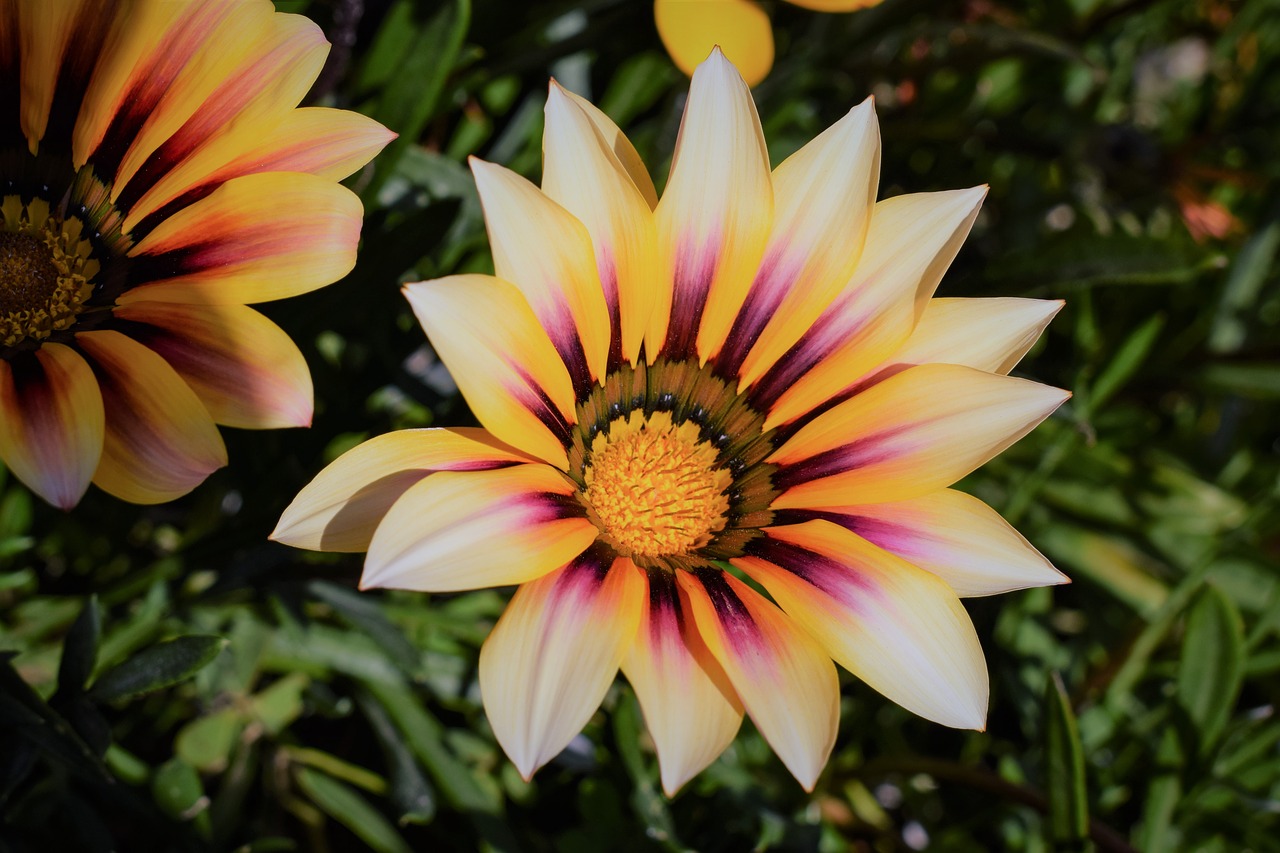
(173, 681)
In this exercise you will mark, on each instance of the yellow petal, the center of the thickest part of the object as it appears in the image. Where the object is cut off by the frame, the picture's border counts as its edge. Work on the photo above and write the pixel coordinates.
(243, 367)
(910, 243)
(554, 653)
(918, 431)
(49, 36)
(160, 441)
(51, 423)
(785, 680)
(690, 709)
(836, 5)
(691, 28)
(254, 239)
(248, 106)
(582, 172)
(504, 363)
(476, 529)
(340, 509)
(546, 253)
(714, 217)
(986, 334)
(953, 535)
(616, 141)
(898, 628)
(824, 195)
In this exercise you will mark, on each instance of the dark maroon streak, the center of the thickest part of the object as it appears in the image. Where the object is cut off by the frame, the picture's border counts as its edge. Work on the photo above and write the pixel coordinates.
(740, 628)
(564, 334)
(836, 579)
(609, 282)
(691, 285)
(837, 460)
(536, 401)
(33, 390)
(769, 288)
(886, 534)
(586, 573)
(83, 47)
(664, 606)
(822, 339)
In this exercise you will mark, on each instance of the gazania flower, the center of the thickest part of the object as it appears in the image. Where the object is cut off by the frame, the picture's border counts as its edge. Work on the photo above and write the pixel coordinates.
(689, 29)
(718, 434)
(156, 178)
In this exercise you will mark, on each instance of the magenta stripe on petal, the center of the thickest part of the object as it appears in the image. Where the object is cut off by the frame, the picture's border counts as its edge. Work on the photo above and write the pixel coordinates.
(740, 629)
(695, 268)
(827, 334)
(768, 290)
(839, 580)
(856, 454)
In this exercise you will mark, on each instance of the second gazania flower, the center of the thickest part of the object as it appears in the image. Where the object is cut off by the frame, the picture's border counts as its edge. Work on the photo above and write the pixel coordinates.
(750, 373)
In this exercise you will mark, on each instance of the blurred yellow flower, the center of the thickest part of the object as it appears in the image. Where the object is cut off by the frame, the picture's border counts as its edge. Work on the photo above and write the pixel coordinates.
(157, 177)
(751, 373)
(691, 28)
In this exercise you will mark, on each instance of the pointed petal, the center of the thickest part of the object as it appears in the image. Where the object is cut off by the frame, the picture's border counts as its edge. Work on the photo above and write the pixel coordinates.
(785, 680)
(546, 253)
(340, 509)
(616, 141)
(554, 653)
(58, 45)
(824, 195)
(582, 172)
(985, 334)
(476, 529)
(243, 367)
(910, 243)
(248, 105)
(160, 441)
(740, 28)
(714, 217)
(900, 629)
(918, 431)
(500, 356)
(318, 140)
(689, 706)
(51, 423)
(254, 239)
(951, 534)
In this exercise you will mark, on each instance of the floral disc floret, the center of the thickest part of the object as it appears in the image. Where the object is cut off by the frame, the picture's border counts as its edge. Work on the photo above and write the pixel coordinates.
(46, 271)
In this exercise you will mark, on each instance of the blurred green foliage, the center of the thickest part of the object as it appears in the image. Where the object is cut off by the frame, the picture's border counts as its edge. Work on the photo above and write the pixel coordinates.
(172, 681)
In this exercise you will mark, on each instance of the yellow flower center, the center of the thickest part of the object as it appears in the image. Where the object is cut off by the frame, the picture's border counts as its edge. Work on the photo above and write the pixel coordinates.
(654, 488)
(46, 271)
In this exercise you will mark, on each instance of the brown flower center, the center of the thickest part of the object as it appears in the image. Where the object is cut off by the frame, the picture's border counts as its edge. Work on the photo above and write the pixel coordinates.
(46, 271)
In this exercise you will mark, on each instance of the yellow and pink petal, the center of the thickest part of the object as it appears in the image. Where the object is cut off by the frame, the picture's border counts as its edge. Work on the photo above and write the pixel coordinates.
(51, 423)
(160, 442)
(916, 432)
(897, 627)
(505, 365)
(475, 529)
(551, 658)
(784, 679)
(690, 708)
(244, 368)
(341, 508)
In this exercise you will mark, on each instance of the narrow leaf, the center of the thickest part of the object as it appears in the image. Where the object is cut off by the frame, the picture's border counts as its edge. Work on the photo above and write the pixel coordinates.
(1212, 667)
(157, 667)
(351, 810)
(1068, 824)
(80, 651)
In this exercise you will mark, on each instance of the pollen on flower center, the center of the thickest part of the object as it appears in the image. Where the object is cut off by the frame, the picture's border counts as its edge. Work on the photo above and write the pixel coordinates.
(654, 488)
(46, 271)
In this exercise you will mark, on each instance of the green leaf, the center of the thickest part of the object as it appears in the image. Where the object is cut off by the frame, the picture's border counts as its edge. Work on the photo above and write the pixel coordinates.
(411, 793)
(80, 651)
(1068, 824)
(351, 810)
(1212, 668)
(177, 790)
(157, 667)
(1127, 360)
(206, 742)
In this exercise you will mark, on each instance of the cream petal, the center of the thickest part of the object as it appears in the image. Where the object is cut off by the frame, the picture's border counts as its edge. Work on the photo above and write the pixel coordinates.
(475, 529)
(341, 508)
(505, 365)
(897, 627)
(916, 432)
(690, 709)
(547, 254)
(784, 679)
(714, 218)
(824, 195)
(51, 423)
(584, 173)
(951, 534)
(910, 243)
(554, 653)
